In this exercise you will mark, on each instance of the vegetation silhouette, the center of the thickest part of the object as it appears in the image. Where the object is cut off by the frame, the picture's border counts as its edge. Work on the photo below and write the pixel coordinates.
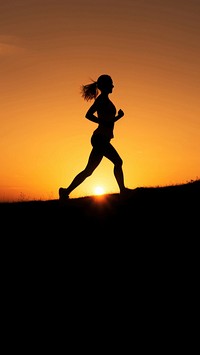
(170, 210)
(106, 116)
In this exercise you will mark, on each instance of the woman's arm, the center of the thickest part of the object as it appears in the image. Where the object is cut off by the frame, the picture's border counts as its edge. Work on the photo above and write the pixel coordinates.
(120, 115)
(90, 114)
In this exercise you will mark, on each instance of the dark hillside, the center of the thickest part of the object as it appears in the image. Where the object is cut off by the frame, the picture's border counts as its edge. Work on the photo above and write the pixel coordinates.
(144, 246)
(170, 209)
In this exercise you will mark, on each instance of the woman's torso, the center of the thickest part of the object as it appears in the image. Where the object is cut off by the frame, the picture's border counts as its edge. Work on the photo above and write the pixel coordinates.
(106, 112)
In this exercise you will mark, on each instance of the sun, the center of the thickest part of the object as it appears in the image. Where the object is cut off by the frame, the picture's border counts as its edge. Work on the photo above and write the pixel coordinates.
(99, 190)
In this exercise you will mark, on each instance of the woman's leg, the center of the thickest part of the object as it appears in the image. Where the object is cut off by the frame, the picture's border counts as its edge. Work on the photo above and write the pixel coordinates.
(93, 161)
(111, 154)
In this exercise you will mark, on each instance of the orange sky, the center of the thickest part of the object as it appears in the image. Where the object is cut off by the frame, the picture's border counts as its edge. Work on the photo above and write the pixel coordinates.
(49, 48)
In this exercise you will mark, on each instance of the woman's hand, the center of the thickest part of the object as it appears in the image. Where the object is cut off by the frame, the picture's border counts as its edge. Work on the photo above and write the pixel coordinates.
(120, 113)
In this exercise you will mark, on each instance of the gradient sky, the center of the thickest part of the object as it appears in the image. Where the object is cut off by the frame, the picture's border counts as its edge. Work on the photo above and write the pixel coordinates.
(49, 48)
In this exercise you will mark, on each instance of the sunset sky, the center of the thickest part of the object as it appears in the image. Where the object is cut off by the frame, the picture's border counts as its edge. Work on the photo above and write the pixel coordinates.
(49, 48)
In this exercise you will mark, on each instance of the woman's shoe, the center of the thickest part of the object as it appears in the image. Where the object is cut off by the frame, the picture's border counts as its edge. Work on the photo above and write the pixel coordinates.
(126, 191)
(63, 196)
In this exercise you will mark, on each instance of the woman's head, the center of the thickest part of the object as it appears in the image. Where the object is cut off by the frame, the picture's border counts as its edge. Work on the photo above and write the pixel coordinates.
(104, 82)
(90, 91)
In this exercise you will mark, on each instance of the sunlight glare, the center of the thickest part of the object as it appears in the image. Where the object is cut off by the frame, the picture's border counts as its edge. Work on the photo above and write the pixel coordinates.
(99, 190)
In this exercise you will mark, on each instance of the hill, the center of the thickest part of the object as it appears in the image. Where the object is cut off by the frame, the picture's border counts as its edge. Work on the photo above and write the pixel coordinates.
(143, 247)
(165, 209)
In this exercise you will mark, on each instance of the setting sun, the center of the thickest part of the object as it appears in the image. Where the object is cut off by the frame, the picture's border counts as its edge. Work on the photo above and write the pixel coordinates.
(99, 190)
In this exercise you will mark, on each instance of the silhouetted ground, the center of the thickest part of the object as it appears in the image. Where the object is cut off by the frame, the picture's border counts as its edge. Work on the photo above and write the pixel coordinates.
(139, 252)
(147, 211)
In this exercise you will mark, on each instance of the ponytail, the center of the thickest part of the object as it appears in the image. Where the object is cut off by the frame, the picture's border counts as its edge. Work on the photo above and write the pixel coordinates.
(89, 91)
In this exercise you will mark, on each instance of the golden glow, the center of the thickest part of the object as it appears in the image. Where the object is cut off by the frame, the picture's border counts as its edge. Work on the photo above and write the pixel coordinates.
(151, 50)
(99, 190)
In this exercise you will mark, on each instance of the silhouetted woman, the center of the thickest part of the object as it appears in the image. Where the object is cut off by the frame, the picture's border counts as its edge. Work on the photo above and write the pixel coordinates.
(101, 147)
